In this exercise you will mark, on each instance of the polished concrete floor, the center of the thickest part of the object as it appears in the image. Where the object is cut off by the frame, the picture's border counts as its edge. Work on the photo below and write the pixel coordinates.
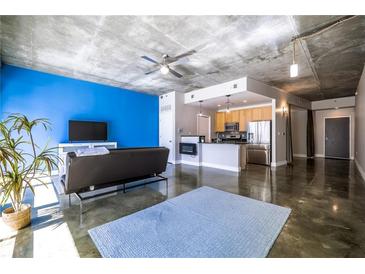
(327, 198)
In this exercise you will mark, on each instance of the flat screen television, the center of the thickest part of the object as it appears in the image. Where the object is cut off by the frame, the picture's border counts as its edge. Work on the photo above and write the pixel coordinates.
(87, 131)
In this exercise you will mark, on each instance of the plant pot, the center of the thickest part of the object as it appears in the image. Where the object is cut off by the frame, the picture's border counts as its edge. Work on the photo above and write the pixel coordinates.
(17, 220)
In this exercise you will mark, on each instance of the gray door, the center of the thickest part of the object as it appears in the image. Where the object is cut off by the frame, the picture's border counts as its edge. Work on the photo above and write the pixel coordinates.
(337, 137)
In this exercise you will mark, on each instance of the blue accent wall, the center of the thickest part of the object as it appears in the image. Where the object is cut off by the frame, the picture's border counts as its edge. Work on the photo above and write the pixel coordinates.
(132, 117)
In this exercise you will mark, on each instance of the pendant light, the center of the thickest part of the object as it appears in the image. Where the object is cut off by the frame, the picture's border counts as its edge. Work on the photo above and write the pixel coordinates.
(228, 103)
(200, 108)
(294, 67)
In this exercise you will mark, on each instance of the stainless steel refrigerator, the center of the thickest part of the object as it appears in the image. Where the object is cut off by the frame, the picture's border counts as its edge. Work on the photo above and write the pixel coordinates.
(259, 147)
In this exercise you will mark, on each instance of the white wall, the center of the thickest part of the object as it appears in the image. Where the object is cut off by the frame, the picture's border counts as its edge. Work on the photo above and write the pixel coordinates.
(319, 116)
(282, 99)
(215, 91)
(299, 132)
(360, 126)
(186, 120)
(167, 123)
(342, 102)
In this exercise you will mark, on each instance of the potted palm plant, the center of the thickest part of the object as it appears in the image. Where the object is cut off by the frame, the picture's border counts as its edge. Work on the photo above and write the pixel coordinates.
(19, 168)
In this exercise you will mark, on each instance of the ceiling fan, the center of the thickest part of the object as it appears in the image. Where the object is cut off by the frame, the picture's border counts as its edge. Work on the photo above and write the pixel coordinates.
(164, 67)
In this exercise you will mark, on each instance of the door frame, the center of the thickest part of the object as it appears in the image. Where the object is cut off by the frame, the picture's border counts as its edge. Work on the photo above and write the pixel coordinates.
(210, 124)
(350, 136)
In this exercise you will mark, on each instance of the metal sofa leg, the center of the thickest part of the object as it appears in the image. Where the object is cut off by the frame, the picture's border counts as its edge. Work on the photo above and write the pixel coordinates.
(81, 208)
(167, 187)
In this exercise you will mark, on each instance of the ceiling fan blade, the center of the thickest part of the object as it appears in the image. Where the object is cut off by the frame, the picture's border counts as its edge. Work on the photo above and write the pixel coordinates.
(149, 59)
(170, 60)
(175, 73)
(188, 53)
(151, 71)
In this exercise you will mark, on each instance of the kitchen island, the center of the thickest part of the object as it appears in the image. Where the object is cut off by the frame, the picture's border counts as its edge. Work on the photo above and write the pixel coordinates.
(224, 156)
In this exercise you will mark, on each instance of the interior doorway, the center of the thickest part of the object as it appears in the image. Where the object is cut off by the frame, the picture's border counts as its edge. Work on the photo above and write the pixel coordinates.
(337, 137)
(203, 126)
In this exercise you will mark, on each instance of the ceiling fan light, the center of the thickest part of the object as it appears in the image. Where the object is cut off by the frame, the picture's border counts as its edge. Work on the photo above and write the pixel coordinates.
(294, 70)
(164, 70)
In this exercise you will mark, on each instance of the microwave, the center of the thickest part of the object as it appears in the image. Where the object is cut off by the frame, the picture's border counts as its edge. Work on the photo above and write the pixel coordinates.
(231, 127)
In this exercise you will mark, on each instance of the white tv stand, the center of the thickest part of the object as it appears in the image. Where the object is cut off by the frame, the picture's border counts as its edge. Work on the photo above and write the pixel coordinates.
(63, 148)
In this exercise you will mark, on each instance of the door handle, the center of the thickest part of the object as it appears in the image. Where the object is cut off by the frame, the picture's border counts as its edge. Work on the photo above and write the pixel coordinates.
(326, 138)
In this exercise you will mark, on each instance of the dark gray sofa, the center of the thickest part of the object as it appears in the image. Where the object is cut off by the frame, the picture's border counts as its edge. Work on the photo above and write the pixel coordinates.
(120, 167)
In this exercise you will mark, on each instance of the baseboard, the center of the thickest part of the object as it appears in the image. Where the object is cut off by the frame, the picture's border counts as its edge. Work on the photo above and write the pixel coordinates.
(280, 163)
(190, 163)
(322, 156)
(360, 169)
(173, 162)
(300, 155)
(229, 168)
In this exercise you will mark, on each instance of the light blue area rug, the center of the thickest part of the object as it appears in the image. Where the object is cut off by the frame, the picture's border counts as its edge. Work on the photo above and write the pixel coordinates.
(205, 222)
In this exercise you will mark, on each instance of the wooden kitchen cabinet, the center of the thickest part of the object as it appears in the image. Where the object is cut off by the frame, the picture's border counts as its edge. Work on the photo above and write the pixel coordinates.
(266, 113)
(220, 119)
(242, 120)
(228, 117)
(242, 116)
(235, 116)
(256, 114)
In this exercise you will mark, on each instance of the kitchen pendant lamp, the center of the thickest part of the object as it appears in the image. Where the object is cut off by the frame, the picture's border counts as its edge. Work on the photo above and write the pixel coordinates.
(200, 108)
(228, 103)
(294, 68)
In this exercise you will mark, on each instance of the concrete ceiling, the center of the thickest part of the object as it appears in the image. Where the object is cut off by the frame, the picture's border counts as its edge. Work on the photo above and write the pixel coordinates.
(107, 49)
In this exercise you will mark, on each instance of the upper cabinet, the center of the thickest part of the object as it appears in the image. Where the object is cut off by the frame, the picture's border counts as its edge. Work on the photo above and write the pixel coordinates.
(256, 114)
(235, 116)
(242, 116)
(228, 117)
(232, 116)
(261, 114)
(220, 119)
(266, 113)
(243, 120)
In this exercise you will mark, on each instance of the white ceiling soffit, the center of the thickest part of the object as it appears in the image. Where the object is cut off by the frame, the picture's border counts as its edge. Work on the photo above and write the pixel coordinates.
(237, 100)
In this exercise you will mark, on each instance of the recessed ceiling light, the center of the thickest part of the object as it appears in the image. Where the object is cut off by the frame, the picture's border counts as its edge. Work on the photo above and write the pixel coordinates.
(219, 105)
(245, 101)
